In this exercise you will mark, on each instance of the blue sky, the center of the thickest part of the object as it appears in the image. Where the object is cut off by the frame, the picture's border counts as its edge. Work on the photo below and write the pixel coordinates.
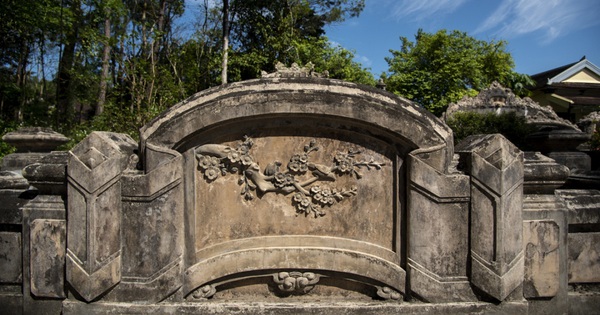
(541, 34)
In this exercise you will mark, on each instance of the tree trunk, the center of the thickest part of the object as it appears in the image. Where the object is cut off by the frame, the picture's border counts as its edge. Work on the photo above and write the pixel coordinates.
(105, 65)
(65, 96)
(225, 41)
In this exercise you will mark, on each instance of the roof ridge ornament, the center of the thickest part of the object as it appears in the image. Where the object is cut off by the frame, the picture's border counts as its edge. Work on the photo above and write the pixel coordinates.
(295, 71)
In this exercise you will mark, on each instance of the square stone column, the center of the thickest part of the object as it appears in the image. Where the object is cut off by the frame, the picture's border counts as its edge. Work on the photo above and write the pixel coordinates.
(496, 232)
(94, 215)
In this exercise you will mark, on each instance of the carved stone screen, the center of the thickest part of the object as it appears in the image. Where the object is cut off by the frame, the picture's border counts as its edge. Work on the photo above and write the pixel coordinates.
(292, 185)
(270, 196)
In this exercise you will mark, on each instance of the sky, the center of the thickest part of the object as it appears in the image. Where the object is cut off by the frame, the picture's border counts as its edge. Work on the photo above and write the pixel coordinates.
(541, 34)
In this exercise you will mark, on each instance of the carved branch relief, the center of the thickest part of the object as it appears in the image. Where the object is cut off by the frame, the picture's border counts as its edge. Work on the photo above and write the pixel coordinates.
(301, 176)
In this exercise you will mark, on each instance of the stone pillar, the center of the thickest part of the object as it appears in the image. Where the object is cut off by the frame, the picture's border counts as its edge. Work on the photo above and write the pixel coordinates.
(438, 212)
(32, 224)
(95, 212)
(44, 236)
(544, 236)
(496, 234)
(13, 196)
(152, 231)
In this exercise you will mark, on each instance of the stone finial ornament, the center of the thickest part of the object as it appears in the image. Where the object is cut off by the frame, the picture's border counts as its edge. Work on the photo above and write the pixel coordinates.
(295, 71)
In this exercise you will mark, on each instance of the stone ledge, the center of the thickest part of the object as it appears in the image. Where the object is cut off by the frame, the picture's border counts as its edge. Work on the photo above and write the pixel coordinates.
(245, 307)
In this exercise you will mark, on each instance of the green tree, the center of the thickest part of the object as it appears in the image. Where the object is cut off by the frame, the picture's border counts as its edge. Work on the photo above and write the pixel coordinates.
(264, 32)
(438, 69)
(513, 126)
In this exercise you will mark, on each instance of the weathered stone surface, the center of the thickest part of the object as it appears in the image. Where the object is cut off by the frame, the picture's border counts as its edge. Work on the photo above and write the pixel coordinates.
(35, 139)
(152, 262)
(584, 257)
(47, 247)
(16, 161)
(94, 217)
(590, 122)
(542, 272)
(577, 162)
(498, 99)
(10, 246)
(583, 205)
(229, 233)
(296, 194)
(323, 184)
(42, 207)
(271, 103)
(311, 307)
(496, 169)
(48, 175)
(12, 180)
(542, 175)
(551, 212)
(438, 252)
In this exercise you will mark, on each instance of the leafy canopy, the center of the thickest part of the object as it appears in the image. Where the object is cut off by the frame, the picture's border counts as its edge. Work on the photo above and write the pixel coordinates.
(438, 69)
(264, 32)
(513, 126)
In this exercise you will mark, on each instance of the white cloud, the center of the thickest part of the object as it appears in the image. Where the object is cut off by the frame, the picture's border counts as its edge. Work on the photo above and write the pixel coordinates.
(551, 18)
(421, 9)
(366, 62)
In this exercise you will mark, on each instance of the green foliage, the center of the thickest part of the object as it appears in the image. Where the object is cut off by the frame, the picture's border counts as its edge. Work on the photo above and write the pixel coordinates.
(265, 32)
(54, 56)
(441, 68)
(5, 127)
(514, 127)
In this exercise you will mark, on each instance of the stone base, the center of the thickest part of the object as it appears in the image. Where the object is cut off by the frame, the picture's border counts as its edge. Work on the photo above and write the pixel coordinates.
(584, 303)
(577, 162)
(210, 307)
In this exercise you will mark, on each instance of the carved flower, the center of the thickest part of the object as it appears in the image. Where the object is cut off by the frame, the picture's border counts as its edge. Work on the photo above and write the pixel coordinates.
(243, 150)
(303, 202)
(344, 162)
(315, 189)
(234, 156)
(212, 173)
(204, 161)
(324, 195)
(298, 163)
(246, 160)
(214, 161)
(329, 200)
(283, 179)
(344, 167)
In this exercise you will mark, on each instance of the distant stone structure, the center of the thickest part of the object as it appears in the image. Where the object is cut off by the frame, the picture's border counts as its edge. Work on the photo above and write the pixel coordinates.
(556, 137)
(296, 194)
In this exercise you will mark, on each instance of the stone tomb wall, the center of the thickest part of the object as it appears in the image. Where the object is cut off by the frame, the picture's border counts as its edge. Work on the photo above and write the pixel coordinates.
(287, 190)
(302, 183)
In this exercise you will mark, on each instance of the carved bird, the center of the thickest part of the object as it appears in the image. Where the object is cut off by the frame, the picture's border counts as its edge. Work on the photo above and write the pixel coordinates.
(321, 171)
(272, 168)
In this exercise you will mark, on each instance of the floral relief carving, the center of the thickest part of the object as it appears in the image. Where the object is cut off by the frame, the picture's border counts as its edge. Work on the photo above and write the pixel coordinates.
(301, 176)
